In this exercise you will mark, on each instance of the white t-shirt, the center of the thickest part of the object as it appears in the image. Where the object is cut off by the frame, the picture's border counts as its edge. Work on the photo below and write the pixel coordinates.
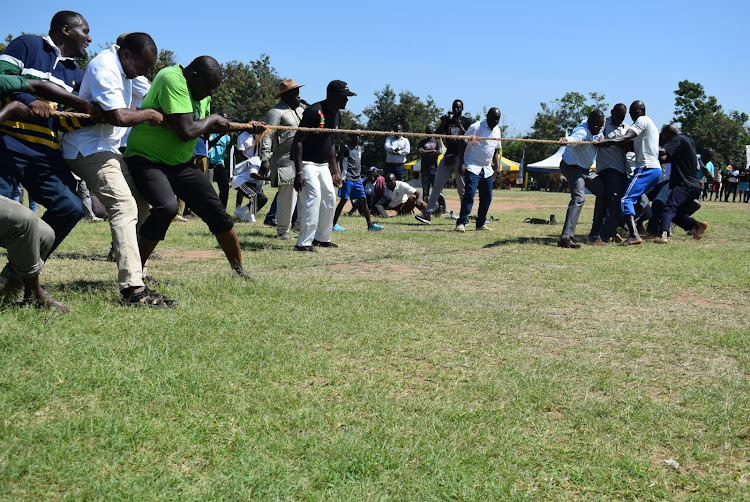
(141, 85)
(478, 156)
(244, 142)
(401, 193)
(646, 143)
(104, 83)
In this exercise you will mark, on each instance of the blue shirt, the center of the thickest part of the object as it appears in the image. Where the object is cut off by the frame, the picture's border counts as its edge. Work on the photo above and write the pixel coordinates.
(709, 167)
(581, 155)
(216, 154)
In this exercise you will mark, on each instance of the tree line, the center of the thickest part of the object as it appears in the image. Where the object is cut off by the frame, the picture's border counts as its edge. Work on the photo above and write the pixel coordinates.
(249, 88)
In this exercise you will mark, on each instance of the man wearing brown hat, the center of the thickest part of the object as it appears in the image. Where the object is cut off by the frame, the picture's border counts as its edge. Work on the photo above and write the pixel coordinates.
(275, 149)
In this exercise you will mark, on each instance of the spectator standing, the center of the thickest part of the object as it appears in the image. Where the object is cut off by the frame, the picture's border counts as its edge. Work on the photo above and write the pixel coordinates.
(396, 148)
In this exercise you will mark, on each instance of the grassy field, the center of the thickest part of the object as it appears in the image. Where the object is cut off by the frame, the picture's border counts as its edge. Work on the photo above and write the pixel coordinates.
(410, 364)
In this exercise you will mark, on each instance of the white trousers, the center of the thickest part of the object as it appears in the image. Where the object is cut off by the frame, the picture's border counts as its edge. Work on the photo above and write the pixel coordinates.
(318, 203)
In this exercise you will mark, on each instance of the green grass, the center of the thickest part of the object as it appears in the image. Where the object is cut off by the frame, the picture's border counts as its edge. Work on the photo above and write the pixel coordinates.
(410, 364)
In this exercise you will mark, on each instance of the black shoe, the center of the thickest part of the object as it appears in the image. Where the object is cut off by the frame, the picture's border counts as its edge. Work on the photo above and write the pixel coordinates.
(324, 244)
(424, 218)
(304, 248)
(567, 242)
(270, 222)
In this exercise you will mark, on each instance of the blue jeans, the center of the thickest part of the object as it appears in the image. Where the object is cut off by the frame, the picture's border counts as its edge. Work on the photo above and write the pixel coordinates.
(48, 182)
(396, 169)
(471, 183)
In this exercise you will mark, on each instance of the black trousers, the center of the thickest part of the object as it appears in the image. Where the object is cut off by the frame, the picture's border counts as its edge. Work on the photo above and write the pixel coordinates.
(221, 177)
(160, 183)
(675, 210)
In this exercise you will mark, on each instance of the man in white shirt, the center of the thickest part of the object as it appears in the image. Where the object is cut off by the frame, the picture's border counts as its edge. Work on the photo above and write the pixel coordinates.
(396, 148)
(93, 154)
(477, 161)
(645, 137)
(403, 197)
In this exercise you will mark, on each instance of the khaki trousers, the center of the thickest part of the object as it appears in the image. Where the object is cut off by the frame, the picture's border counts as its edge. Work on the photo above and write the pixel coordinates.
(107, 175)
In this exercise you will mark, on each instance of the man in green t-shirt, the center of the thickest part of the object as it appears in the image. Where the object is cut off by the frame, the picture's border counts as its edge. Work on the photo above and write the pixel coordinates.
(160, 158)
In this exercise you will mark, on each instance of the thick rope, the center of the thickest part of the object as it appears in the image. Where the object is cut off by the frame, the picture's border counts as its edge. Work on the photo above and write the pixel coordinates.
(237, 126)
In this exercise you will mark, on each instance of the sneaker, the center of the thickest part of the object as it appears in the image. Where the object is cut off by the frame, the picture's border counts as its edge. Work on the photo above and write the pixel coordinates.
(424, 218)
(94, 219)
(285, 236)
(240, 213)
(460, 228)
(309, 249)
(338, 228)
(328, 244)
(180, 218)
(484, 228)
(270, 222)
(251, 218)
(375, 228)
(452, 216)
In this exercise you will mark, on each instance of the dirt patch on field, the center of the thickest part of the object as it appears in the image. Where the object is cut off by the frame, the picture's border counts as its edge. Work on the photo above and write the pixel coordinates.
(390, 270)
(193, 255)
(694, 299)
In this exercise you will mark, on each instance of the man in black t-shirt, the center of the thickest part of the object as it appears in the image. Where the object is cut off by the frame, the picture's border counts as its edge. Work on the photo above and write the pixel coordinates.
(455, 125)
(316, 169)
(679, 149)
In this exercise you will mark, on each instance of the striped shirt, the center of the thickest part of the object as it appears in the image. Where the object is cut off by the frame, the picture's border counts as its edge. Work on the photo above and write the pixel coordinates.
(36, 57)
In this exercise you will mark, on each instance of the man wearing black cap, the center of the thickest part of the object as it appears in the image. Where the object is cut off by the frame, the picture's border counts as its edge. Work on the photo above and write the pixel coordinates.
(316, 169)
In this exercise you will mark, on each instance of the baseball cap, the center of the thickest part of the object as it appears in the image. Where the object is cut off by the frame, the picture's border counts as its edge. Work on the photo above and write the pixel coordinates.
(339, 87)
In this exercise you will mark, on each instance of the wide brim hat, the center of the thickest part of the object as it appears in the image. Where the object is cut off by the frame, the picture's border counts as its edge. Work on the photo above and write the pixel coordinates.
(287, 85)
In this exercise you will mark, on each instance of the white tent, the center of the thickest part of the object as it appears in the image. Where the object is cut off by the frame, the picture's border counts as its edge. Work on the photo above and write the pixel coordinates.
(550, 164)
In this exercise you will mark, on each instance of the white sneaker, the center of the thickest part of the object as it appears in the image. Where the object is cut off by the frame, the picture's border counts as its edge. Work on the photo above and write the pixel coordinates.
(251, 218)
(460, 228)
(485, 228)
(240, 212)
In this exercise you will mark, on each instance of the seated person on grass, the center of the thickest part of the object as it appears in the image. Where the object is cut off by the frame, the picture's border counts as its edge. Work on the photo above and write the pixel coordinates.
(401, 197)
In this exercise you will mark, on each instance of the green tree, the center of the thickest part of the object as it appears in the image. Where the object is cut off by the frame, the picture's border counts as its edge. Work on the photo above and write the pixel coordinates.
(247, 91)
(166, 58)
(704, 118)
(387, 111)
(558, 117)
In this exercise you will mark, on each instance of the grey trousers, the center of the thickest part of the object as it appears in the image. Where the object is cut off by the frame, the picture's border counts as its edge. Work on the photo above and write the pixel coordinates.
(26, 237)
(446, 167)
(579, 179)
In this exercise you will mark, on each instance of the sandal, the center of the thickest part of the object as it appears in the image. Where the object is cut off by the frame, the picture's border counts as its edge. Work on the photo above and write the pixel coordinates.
(148, 298)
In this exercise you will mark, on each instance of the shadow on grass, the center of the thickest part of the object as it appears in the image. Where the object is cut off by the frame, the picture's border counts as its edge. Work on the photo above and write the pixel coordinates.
(86, 286)
(247, 245)
(90, 256)
(542, 241)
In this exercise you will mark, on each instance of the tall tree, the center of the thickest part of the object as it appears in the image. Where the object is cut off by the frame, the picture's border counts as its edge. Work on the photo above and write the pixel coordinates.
(387, 111)
(557, 118)
(247, 90)
(704, 118)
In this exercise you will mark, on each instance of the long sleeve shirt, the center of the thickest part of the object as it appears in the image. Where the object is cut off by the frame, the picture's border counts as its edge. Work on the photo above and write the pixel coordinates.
(581, 155)
(394, 144)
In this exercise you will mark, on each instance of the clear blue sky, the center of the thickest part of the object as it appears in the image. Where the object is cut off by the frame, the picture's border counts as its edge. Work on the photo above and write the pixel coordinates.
(512, 55)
